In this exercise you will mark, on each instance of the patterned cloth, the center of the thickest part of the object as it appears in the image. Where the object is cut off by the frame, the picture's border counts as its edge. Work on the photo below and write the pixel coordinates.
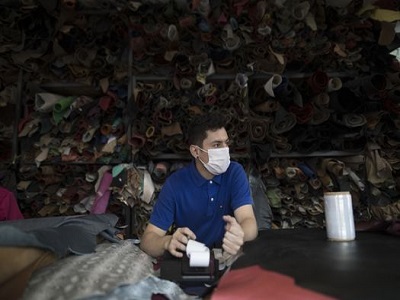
(75, 277)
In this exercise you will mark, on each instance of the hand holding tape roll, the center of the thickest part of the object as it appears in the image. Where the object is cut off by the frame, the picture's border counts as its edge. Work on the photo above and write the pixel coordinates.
(198, 254)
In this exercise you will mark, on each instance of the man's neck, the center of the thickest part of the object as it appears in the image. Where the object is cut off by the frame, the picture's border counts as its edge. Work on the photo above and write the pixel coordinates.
(202, 170)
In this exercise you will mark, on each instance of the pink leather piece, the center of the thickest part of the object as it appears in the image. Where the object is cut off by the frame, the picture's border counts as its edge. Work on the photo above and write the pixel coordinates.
(102, 195)
(9, 209)
(257, 283)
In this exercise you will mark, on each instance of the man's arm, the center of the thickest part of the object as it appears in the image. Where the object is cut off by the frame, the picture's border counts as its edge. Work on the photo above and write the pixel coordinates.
(154, 241)
(239, 229)
(245, 217)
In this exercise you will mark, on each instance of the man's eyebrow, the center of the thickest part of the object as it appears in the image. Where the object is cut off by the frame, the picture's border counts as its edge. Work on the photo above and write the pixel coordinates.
(219, 141)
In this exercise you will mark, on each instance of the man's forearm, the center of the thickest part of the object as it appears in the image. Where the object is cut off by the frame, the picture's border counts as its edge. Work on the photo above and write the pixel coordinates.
(153, 244)
(249, 227)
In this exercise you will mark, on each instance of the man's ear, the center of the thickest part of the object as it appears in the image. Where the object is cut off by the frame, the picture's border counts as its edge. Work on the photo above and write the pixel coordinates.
(194, 150)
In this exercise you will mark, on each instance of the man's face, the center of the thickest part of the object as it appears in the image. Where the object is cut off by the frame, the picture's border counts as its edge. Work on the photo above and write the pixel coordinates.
(215, 139)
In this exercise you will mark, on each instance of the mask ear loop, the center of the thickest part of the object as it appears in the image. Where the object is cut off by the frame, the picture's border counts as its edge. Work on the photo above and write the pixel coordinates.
(197, 155)
(201, 149)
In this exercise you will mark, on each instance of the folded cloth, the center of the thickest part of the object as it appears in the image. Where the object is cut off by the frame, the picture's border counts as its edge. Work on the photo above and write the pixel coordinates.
(60, 235)
(61, 240)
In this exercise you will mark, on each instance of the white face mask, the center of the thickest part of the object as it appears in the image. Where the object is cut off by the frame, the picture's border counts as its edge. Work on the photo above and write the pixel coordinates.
(218, 160)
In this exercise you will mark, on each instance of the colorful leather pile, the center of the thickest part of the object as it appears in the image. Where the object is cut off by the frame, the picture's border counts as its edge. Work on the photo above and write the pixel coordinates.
(110, 83)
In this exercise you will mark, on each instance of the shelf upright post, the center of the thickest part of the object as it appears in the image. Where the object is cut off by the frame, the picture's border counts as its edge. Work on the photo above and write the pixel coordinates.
(18, 100)
(129, 211)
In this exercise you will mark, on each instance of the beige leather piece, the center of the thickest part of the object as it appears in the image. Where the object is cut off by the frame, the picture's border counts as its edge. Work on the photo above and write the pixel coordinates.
(18, 264)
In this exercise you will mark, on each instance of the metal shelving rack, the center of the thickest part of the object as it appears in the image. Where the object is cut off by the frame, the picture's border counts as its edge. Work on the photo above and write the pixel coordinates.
(251, 76)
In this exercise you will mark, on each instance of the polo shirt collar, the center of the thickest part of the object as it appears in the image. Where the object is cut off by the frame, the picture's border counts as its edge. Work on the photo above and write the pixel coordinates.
(200, 180)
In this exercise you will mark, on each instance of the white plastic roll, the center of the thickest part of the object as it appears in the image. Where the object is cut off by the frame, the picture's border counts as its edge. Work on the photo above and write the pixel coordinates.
(339, 216)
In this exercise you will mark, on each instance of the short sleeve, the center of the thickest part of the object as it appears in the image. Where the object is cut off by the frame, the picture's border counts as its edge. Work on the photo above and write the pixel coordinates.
(163, 214)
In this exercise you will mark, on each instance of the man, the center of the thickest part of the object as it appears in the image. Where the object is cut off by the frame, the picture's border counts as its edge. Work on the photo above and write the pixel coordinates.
(208, 200)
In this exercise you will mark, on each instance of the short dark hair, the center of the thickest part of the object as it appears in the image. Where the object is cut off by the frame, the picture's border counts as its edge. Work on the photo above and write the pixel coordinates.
(200, 124)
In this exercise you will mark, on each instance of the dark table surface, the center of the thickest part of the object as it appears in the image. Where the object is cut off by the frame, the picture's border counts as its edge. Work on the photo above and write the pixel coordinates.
(366, 268)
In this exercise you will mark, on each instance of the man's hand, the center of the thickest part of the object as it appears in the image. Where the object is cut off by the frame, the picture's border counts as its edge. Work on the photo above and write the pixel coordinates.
(234, 236)
(176, 245)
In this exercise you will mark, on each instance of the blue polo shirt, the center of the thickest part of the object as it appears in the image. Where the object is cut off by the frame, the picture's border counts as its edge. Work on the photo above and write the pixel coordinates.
(189, 200)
